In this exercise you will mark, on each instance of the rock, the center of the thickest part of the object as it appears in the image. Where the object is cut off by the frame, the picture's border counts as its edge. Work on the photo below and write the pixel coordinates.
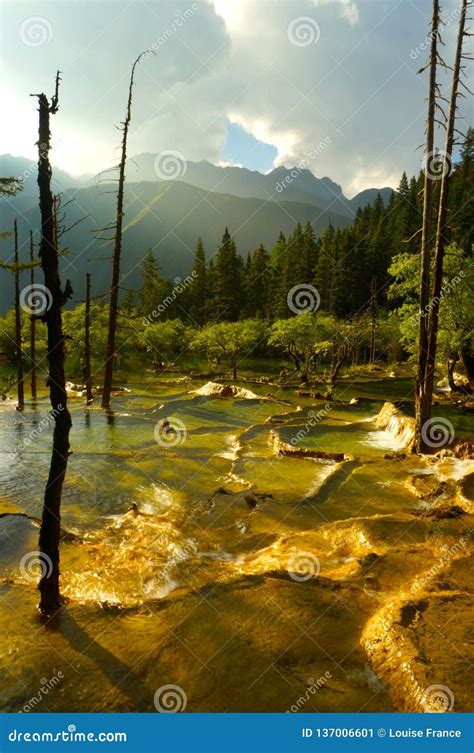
(369, 559)
(441, 513)
(462, 449)
(282, 448)
(468, 407)
(215, 389)
(459, 380)
(251, 501)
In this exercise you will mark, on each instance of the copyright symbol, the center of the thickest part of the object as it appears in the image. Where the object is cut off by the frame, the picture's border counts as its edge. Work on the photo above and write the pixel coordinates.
(381, 732)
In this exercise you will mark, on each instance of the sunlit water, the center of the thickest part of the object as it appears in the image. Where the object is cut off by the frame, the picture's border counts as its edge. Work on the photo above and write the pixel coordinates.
(202, 558)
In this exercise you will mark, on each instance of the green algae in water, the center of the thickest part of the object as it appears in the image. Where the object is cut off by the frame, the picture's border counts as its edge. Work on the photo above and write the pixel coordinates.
(193, 585)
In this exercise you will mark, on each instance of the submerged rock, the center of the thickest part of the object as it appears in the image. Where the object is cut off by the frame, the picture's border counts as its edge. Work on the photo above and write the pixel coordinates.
(459, 380)
(282, 448)
(215, 389)
(422, 674)
(442, 513)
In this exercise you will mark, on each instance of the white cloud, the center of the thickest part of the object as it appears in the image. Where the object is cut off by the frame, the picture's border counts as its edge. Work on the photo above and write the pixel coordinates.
(233, 12)
(348, 9)
(231, 59)
(284, 141)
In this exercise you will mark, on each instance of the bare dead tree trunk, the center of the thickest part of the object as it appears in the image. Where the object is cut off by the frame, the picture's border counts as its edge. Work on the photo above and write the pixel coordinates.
(339, 355)
(468, 361)
(19, 351)
(422, 400)
(50, 526)
(373, 319)
(450, 366)
(56, 219)
(32, 326)
(441, 229)
(114, 290)
(336, 369)
(87, 342)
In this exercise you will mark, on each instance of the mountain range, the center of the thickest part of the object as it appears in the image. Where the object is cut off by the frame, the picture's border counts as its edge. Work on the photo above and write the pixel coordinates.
(169, 215)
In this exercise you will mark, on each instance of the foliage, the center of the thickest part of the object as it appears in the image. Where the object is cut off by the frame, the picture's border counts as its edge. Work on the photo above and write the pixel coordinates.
(231, 341)
(456, 320)
(166, 338)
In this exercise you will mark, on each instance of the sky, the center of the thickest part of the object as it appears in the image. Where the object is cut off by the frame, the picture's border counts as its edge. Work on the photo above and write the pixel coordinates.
(258, 83)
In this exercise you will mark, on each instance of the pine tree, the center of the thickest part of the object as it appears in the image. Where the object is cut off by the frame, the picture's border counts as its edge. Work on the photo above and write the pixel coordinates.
(198, 289)
(461, 196)
(228, 281)
(258, 284)
(154, 291)
(279, 291)
(325, 268)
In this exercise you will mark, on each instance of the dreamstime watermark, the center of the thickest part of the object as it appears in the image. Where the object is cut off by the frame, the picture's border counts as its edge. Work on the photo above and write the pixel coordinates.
(449, 553)
(437, 432)
(71, 735)
(36, 31)
(437, 699)
(36, 299)
(303, 31)
(170, 699)
(437, 164)
(170, 432)
(311, 690)
(313, 420)
(31, 562)
(179, 287)
(296, 171)
(45, 687)
(32, 168)
(41, 426)
(170, 31)
(447, 287)
(188, 550)
(426, 43)
(303, 298)
(170, 165)
(303, 566)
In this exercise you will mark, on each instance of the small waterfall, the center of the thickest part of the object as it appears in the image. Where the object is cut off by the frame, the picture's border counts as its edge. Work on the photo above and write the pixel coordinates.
(399, 428)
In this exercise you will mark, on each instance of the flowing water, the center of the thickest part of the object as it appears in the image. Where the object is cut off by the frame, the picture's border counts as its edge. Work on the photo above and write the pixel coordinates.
(202, 558)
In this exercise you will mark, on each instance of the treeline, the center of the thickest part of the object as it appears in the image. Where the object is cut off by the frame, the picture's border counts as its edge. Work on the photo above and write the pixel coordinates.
(229, 307)
(345, 266)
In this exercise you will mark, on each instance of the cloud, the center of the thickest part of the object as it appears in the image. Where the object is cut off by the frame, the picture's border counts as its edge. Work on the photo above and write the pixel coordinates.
(353, 84)
(348, 9)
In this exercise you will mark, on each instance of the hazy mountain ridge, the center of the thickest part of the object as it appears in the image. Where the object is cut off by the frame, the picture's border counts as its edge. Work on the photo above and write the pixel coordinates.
(168, 216)
(281, 184)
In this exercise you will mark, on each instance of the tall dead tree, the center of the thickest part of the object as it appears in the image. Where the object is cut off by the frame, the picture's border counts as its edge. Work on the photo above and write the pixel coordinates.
(19, 350)
(114, 289)
(373, 318)
(32, 325)
(51, 314)
(87, 342)
(422, 400)
(16, 268)
(442, 228)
